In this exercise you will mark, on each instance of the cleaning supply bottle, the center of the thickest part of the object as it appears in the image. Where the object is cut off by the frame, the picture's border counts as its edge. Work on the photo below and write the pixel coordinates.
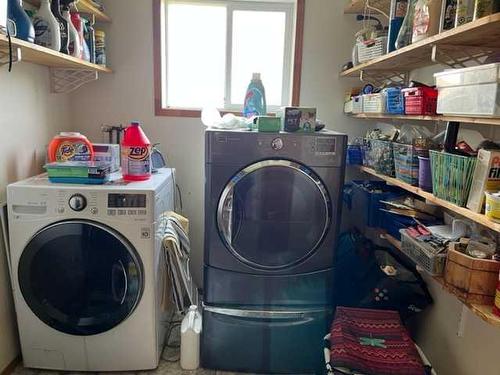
(70, 146)
(89, 36)
(406, 31)
(47, 32)
(74, 46)
(78, 24)
(136, 154)
(397, 15)
(55, 7)
(19, 24)
(190, 339)
(255, 98)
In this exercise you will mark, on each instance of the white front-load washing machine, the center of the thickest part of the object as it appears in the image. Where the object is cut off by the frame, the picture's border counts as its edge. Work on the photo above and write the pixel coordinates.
(88, 273)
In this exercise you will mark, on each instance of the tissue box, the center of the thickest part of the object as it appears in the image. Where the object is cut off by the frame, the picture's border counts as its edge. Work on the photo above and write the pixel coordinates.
(295, 119)
(107, 153)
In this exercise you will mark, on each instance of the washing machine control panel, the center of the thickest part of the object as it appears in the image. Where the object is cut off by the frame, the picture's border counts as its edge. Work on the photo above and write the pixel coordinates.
(77, 202)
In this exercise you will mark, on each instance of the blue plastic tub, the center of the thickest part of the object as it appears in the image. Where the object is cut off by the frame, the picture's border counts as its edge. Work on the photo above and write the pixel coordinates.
(395, 102)
(365, 201)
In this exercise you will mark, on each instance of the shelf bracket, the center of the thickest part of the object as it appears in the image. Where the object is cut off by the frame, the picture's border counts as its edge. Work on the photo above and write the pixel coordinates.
(456, 56)
(4, 56)
(67, 80)
(382, 77)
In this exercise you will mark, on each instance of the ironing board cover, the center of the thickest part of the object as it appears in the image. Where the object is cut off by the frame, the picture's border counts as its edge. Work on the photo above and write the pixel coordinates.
(373, 342)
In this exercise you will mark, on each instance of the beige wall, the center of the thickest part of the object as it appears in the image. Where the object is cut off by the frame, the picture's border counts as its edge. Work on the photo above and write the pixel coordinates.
(29, 117)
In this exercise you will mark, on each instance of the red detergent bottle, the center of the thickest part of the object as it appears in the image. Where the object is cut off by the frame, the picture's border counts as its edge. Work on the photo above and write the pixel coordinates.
(136, 154)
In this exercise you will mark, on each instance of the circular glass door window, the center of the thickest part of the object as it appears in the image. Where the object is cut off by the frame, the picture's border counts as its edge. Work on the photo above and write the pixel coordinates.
(80, 277)
(274, 214)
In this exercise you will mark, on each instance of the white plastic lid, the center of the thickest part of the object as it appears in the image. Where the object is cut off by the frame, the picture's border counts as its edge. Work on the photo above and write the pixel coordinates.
(256, 76)
(70, 134)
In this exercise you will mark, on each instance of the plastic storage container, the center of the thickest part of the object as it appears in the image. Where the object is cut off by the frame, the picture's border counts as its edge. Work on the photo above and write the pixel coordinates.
(452, 176)
(357, 104)
(424, 174)
(470, 91)
(394, 101)
(374, 103)
(423, 254)
(406, 163)
(354, 155)
(420, 100)
(393, 223)
(70, 146)
(375, 48)
(366, 197)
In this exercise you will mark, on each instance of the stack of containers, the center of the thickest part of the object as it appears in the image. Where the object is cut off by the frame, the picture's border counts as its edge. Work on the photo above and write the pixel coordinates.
(471, 91)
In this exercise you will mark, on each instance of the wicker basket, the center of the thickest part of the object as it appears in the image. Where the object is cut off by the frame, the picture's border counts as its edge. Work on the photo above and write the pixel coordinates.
(423, 254)
(452, 176)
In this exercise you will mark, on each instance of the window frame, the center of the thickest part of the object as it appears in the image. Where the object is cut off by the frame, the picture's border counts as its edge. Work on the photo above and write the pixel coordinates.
(159, 46)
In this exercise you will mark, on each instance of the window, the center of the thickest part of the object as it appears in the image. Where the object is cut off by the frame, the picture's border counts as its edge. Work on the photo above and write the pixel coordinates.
(206, 52)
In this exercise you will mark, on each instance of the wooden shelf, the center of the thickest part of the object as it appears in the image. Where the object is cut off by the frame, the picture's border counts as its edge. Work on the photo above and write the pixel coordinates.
(358, 6)
(478, 218)
(483, 33)
(83, 6)
(44, 56)
(466, 119)
(482, 311)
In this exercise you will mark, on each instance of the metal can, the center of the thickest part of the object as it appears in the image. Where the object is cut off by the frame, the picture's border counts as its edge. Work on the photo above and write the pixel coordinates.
(100, 47)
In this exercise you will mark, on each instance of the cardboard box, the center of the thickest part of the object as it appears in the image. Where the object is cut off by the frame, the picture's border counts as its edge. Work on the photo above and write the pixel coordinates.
(107, 153)
(297, 119)
(486, 178)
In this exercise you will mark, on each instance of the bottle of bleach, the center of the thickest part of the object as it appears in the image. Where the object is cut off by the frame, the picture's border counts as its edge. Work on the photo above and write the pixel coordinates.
(190, 339)
(136, 154)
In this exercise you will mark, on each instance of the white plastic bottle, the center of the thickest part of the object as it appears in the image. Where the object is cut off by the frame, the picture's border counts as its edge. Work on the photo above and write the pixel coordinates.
(190, 339)
(75, 47)
(47, 30)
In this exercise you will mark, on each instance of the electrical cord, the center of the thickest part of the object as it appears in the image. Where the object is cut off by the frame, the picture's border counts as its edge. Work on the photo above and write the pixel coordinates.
(10, 50)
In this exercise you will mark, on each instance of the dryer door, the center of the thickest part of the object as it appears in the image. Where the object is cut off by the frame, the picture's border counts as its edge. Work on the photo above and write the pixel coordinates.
(274, 214)
(80, 277)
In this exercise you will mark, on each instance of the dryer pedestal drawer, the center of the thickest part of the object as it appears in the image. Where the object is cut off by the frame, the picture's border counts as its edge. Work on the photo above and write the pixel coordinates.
(241, 289)
(264, 342)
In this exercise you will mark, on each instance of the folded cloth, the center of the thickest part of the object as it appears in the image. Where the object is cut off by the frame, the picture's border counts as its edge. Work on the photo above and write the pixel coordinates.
(176, 250)
(372, 342)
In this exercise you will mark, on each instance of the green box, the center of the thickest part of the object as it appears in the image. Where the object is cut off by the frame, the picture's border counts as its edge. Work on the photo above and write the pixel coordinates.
(268, 124)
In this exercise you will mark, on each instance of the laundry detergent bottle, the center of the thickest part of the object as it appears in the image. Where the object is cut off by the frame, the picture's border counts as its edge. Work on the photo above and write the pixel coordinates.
(255, 98)
(47, 30)
(136, 154)
(18, 22)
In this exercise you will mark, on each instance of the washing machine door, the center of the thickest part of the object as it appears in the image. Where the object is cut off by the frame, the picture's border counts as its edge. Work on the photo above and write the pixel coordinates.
(80, 277)
(274, 214)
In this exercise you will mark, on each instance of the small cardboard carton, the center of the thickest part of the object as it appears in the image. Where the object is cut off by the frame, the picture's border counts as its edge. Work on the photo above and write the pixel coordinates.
(298, 119)
(486, 178)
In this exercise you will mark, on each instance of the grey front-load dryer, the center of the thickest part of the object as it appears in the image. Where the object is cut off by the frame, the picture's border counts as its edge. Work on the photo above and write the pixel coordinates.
(272, 212)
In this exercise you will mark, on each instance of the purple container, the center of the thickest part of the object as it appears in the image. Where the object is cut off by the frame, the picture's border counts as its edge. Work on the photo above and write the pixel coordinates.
(424, 174)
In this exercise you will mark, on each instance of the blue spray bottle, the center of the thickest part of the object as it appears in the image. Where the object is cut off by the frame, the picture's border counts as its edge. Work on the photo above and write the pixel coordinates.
(19, 24)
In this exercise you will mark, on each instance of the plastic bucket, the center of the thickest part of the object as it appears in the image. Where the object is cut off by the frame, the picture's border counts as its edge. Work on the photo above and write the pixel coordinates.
(424, 174)
(492, 210)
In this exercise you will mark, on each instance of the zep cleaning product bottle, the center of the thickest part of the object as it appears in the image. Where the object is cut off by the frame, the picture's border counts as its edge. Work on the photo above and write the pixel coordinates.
(190, 339)
(136, 154)
(255, 98)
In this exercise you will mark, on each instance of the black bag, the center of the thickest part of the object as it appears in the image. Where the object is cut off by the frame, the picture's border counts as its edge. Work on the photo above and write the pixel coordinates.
(375, 277)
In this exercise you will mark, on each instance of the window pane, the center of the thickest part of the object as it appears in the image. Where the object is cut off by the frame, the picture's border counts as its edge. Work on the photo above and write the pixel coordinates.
(258, 46)
(196, 44)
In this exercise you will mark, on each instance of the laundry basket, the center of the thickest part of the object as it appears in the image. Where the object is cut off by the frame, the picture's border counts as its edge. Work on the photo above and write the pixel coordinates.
(452, 176)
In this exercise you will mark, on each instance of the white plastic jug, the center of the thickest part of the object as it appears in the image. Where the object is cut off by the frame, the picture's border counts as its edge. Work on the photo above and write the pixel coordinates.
(190, 339)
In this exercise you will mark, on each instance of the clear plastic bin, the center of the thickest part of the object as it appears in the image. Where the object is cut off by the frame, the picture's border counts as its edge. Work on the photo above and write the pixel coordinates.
(471, 91)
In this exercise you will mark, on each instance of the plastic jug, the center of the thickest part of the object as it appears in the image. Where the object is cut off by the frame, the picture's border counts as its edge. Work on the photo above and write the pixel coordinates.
(255, 98)
(47, 30)
(78, 24)
(136, 154)
(190, 339)
(70, 146)
(19, 24)
(74, 47)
